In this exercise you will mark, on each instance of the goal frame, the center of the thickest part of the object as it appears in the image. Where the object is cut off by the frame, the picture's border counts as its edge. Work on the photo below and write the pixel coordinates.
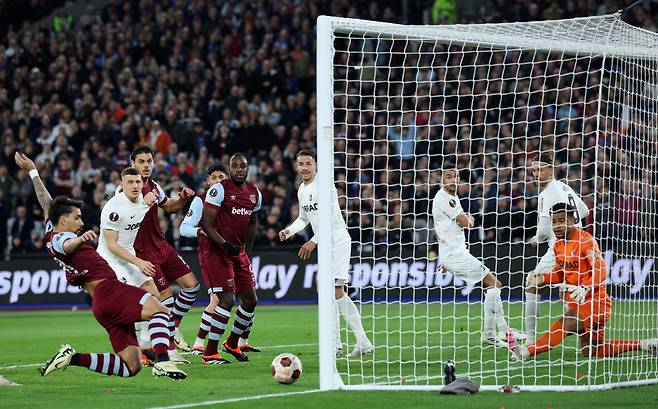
(326, 27)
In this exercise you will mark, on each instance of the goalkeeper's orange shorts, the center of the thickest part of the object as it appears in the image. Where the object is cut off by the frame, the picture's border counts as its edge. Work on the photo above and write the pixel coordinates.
(593, 315)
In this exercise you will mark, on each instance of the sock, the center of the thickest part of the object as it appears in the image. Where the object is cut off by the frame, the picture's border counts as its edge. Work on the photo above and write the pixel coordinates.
(219, 320)
(337, 340)
(242, 322)
(353, 318)
(169, 303)
(555, 335)
(183, 303)
(160, 336)
(614, 348)
(488, 323)
(142, 332)
(204, 328)
(107, 364)
(493, 309)
(531, 307)
(244, 338)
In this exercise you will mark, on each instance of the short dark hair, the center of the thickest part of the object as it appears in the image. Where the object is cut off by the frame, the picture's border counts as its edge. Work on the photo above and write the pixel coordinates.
(141, 149)
(306, 152)
(60, 206)
(544, 157)
(216, 167)
(564, 208)
(236, 154)
(129, 171)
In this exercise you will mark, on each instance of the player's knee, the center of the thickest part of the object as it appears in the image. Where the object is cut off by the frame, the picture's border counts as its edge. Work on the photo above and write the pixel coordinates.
(226, 300)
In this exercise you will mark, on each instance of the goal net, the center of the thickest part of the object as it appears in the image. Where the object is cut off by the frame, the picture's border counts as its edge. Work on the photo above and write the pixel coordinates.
(396, 102)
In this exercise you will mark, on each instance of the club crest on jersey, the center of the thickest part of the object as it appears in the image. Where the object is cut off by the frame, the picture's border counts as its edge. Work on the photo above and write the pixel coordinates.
(114, 216)
(573, 252)
(452, 203)
(189, 213)
(213, 192)
(232, 197)
(229, 282)
(252, 199)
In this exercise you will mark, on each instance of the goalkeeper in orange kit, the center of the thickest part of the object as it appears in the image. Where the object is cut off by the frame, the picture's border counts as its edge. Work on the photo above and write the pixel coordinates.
(581, 272)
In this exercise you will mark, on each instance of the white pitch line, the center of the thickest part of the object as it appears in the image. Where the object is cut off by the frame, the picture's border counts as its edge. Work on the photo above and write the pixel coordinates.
(231, 400)
(266, 346)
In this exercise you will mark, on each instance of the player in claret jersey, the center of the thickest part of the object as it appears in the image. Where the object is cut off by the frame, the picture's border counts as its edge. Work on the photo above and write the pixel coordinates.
(116, 306)
(151, 245)
(229, 222)
(581, 272)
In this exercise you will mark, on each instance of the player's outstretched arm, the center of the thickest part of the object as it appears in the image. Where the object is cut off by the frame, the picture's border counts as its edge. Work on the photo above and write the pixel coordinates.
(70, 246)
(189, 226)
(43, 195)
(173, 206)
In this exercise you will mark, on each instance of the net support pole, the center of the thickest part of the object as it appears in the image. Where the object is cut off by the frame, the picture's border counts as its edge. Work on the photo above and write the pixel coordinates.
(328, 377)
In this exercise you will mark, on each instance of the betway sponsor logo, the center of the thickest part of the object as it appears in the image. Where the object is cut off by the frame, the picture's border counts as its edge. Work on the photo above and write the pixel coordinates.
(632, 272)
(241, 211)
(18, 283)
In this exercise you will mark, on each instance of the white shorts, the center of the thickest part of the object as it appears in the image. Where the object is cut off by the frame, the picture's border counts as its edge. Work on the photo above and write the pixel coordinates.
(546, 262)
(464, 265)
(340, 263)
(128, 273)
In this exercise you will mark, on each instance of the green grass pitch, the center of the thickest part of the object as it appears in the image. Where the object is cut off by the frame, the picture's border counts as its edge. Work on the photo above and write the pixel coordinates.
(27, 339)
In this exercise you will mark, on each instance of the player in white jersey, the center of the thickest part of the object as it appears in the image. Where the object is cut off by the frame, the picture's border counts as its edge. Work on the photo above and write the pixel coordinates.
(342, 243)
(551, 192)
(449, 222)
(120, 220)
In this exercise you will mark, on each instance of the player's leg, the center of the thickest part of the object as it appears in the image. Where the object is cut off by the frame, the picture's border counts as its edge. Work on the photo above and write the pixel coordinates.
(245, 284)
(158, 326)
(559, 330)
(222, 284)
(351, 314)
(204, 326)
(533, 296)
(493, 316)
(125, 363)
(175, 269)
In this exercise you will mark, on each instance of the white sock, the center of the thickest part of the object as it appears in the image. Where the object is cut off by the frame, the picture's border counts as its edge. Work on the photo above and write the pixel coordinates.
(337, 341)
(493, 307)
(353, 318)
(488, 323)
(199, 342)
(242, 341)
(142, 332)
(531, 307)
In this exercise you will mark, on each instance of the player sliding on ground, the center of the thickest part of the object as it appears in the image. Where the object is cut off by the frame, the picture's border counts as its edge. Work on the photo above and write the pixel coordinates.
(342, 247)
(191, 227)
(551, 192)
(581, 272)
(449, 222)
(116, 306)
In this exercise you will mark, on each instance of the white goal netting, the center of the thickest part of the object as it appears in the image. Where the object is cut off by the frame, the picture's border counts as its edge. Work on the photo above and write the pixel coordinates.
(403, 100)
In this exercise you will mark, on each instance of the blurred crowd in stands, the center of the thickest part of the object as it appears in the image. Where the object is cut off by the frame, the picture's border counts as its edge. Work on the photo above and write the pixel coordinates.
(199, 80)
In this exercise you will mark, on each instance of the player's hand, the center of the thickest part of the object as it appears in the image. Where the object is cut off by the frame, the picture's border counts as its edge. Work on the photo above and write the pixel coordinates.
(306, 250)
(534, 280)
(471, 221)
(533, 241)
(186, 193)
(150, 199)
(284, 235)
(146, 267)
(231, 249)
(578, 293)
(89, 235)
(24, 162)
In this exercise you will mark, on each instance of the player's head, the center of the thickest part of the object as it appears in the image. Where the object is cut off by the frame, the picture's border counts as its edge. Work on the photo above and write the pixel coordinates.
(131, 182)
(238, 168)
(65, 214)
(449, 177)
(564, 219)
(306, 164)
(542, 167)
(142, 160)
(215, 174)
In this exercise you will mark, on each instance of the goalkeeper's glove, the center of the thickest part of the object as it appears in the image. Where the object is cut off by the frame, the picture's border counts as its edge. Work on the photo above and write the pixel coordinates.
(578, 293)
(534, 279)
(231, 249)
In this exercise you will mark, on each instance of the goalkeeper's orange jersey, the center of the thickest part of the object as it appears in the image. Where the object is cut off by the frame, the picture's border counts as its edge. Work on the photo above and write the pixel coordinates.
(578, 261)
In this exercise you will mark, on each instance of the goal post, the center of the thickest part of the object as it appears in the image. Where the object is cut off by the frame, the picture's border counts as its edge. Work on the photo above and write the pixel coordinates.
(395, 102)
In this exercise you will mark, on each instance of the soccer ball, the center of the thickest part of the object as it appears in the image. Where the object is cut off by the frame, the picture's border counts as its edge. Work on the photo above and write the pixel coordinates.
(286, 368)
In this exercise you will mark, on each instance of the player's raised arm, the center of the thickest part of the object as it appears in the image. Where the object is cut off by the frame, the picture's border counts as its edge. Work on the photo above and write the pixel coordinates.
(43, 196)
(173, 206)
(188, 227)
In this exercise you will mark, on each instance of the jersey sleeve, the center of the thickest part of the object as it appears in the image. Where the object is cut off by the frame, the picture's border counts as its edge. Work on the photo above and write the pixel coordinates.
(60, 238)
(449, 206)
(110, 217)
(259, 202)
(215, 196)
(162, 197)
(301, 221)
(189, 226)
